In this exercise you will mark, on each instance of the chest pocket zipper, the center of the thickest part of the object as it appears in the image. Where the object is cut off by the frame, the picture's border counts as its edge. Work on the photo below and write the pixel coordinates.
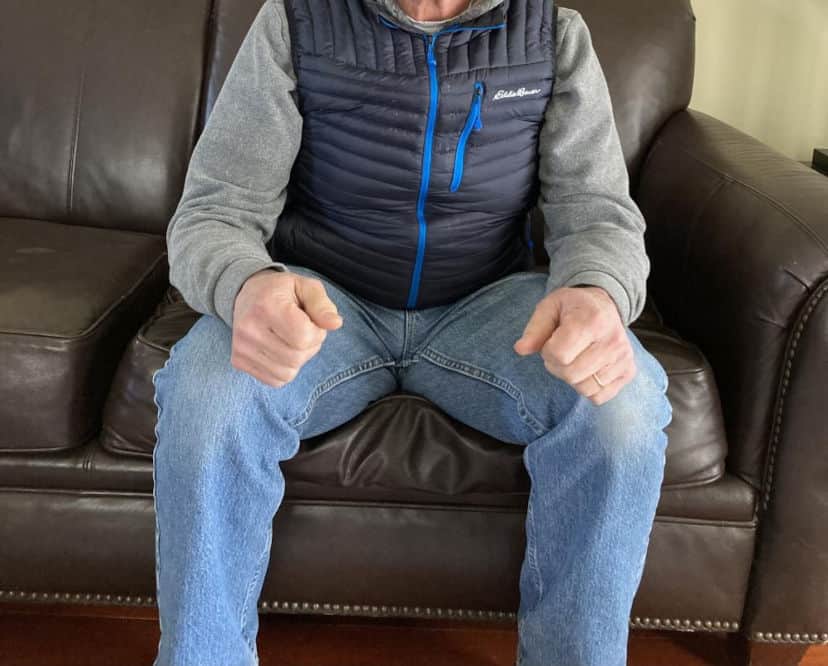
(473, 123)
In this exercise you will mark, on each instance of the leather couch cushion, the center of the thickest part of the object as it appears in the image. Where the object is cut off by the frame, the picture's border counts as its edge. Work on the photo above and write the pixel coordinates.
(362, 454)
(71, 298)
(130, 412)
(92, 468)
(98, 108)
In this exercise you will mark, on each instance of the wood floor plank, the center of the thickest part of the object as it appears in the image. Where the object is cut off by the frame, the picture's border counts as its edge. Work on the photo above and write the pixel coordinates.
(56, 635)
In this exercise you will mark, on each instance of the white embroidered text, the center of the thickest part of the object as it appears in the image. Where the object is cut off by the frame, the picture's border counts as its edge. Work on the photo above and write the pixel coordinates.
(520, 92)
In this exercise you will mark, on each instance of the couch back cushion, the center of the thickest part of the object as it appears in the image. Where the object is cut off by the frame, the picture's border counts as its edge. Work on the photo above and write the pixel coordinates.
(98, 108)
(646, 48)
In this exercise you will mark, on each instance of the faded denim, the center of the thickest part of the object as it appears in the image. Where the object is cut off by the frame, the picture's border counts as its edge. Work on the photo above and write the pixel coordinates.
(595, 472)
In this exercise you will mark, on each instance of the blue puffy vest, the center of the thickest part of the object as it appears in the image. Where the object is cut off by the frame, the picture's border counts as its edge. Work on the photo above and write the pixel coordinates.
(418, 163)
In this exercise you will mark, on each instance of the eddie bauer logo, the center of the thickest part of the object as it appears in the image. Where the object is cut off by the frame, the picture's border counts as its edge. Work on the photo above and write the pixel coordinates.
(520, 92)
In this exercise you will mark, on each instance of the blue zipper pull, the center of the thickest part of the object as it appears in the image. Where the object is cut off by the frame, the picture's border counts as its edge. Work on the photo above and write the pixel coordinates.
(474, 123)
(478, 100)
(432, 60)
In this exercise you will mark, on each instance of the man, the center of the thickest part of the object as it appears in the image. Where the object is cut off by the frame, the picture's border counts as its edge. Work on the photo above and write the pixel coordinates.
(400, 145)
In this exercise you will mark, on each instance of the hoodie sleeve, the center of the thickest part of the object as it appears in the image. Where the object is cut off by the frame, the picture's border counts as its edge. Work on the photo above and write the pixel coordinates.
(235, 187)
(593, 230)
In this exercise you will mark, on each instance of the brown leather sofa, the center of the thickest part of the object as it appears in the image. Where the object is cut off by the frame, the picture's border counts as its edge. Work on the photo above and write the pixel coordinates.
(402, 512)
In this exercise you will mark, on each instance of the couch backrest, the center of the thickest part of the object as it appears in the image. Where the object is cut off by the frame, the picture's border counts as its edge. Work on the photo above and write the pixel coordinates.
(98, 108)
(646, 48)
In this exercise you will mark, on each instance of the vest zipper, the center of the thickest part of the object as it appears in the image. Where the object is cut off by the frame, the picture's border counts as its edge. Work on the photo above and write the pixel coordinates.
(434, 93)
(426, 175)
(473, 123)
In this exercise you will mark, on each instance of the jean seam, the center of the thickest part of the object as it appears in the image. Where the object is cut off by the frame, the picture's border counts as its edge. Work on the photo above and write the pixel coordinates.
(487, 377)
(261, 562)
(158, 408)
(373, 363)
(532, 555)
(407, 320)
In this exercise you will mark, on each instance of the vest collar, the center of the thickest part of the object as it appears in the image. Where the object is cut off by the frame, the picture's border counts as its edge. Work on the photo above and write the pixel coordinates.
(482, 14)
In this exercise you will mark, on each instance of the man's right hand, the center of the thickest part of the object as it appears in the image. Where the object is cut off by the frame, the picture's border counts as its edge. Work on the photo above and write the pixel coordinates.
(280, 320)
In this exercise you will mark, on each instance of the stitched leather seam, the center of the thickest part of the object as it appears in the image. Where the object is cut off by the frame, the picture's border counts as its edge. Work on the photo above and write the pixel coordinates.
(790, 356)
(73, 146)
(671, 144)
(210, 39)
(781, 207)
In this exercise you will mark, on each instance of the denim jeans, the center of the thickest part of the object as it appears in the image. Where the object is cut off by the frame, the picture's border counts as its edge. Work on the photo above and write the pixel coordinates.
(595, 472)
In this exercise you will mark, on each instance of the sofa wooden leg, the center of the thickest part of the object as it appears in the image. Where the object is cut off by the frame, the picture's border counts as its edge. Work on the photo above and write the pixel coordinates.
(774, 654)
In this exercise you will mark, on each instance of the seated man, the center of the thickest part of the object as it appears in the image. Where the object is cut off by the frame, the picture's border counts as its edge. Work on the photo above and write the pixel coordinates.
(401, 144)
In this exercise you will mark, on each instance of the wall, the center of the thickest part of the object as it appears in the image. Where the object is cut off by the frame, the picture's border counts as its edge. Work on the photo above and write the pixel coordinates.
(762, 66)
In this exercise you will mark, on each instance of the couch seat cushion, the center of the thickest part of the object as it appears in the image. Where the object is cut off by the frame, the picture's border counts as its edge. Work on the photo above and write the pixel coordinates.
(70, 300)
(404, 442)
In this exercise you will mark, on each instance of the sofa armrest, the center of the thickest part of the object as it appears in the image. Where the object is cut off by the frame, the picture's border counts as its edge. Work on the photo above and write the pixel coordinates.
(738, 239)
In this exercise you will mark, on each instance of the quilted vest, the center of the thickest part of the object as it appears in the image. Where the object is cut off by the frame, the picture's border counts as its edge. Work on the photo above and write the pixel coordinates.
(418, 162)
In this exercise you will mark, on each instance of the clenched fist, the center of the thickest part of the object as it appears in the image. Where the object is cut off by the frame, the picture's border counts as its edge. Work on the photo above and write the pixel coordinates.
(582, 340)
(280, 321)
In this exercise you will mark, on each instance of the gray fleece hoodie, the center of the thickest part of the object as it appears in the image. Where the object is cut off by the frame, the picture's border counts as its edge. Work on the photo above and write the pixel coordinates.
(235, 187)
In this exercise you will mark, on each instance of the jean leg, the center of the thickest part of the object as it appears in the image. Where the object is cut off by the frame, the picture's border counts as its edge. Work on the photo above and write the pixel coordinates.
(595, 472)
(220, 436)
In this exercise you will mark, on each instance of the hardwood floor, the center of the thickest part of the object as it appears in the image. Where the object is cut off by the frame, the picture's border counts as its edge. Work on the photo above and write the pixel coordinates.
(105, 636)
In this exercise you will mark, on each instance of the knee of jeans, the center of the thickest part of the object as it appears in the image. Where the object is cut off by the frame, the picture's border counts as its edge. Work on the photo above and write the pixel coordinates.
(632, 424)
(203, 401)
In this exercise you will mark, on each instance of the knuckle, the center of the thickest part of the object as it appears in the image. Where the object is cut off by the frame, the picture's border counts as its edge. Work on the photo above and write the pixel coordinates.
(315, 285)
(556, 354)
(257, 310)
(306, 337)
(243, 328)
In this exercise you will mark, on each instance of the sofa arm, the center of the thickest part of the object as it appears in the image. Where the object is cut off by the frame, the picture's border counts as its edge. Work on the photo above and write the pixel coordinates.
(738, 239)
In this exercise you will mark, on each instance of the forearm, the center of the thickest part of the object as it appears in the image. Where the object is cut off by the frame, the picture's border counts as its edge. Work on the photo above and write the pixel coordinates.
(236, 183)
(594, 231)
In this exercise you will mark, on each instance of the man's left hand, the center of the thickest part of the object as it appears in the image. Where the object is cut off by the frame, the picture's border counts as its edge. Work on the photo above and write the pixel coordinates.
(582, 340)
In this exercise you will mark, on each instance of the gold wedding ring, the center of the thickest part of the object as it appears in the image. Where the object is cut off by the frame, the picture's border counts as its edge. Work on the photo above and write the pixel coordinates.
(598, 381)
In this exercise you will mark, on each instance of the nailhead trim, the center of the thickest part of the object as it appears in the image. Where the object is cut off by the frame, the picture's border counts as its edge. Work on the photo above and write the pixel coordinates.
(786, 637)
(384, 611)
(636, 622)
(364, 610)
(82, 598)
(786, 380)
(676, 624)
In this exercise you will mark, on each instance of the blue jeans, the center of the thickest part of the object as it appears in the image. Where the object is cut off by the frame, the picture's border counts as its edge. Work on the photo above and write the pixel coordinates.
(595, 472)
